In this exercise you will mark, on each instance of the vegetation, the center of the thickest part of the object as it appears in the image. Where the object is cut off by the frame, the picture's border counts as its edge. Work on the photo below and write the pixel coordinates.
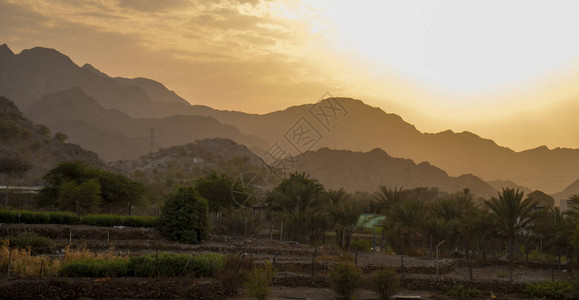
(459, 291)
(68, 218)
(258, 281)
(69, 183)
(221, 191)
(345, 280)
(513, 215)
(300, 202)
(92, 267)
(184, 216)
(80, 262)
(385, 283)
(28, 240)
(548, 290)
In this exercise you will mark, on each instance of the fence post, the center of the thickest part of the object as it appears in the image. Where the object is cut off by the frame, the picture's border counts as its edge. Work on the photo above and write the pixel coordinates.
(281, 232)
(41, 265)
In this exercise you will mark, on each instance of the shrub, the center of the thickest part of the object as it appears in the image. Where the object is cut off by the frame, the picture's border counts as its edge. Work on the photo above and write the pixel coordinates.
(548, 289)
(258, 281)
(24, 264)
(184, 216)
(24, 241)
(172, 264)
(385, 283)
(92, 267)
(32, 217)
(58, 217)
(361, 245)
(345, 280)
(459, 291)
(229, 275)
(117, 220)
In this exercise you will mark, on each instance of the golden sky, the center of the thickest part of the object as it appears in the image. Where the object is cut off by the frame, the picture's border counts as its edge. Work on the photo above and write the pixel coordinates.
(506, 70)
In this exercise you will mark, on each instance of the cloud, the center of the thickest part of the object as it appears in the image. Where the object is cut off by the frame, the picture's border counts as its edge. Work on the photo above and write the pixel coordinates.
(220, 53)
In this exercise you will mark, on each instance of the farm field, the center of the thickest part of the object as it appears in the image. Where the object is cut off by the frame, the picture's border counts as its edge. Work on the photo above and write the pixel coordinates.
(295, 277)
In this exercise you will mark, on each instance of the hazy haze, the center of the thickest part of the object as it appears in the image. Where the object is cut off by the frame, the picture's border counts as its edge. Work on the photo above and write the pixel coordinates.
(505, 70)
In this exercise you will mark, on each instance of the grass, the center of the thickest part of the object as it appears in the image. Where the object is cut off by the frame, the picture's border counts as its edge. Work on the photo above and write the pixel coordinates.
(81, 262)
(68, 218)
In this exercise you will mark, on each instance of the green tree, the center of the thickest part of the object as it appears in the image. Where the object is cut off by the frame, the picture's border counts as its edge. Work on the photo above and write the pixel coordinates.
(221, 191)
(344, 213)
(116, 190)
(301, 202)
(81, 198)
(513, 215)
(184, 216)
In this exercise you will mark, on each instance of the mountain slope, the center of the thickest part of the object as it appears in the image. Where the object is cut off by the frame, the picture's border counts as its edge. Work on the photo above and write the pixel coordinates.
(569, 191)
(500, 184)
(39, 71)
(31, 145)
(365, 128)
(359, 171)
(114, 135)
(35, 72)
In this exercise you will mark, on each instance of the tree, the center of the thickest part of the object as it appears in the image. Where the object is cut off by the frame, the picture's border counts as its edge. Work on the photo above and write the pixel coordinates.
(301, 201)
(81, 198)
(116, 190)
(184, 216)
(60, 136)
(513, 216)
(344, 213)
(221, 191)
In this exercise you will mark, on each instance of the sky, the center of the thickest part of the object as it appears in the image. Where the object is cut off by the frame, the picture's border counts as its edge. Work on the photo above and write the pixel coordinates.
(505, 70)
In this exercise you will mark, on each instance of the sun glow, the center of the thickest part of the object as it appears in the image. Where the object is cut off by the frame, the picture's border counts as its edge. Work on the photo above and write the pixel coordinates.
(469, 49)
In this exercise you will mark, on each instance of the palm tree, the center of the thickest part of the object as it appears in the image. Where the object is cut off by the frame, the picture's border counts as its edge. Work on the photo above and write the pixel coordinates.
(513, 214)
(344, 212)
(387, 198)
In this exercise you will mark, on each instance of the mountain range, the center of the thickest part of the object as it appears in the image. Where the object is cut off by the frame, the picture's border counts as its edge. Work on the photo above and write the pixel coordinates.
(114, 116)
(28, 151)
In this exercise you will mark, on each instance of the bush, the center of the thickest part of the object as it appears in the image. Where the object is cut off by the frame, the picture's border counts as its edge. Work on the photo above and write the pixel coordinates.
(68, 218)
(229, 275)
(459, 291)
(345, 280)
(117, 220)
(24, 241)
(184, 217)
(92, 267)
(259, 280)
(361, 245)
(548, 289)
(172, 264)
(385, 283)
(33, 217)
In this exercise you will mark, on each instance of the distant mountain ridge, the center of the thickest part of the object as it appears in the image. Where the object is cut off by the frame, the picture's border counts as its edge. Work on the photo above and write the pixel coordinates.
(116, 136)
(34, 73)
(367, 171)
(34, 146)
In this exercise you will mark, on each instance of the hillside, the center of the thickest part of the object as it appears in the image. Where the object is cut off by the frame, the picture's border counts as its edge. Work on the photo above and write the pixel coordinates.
(116, 136)
(500, 184)
(367, 171)
(569, 191)
(364, 128)
(31, 148)
(182, 164)
(33, 73)
(338, 123)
